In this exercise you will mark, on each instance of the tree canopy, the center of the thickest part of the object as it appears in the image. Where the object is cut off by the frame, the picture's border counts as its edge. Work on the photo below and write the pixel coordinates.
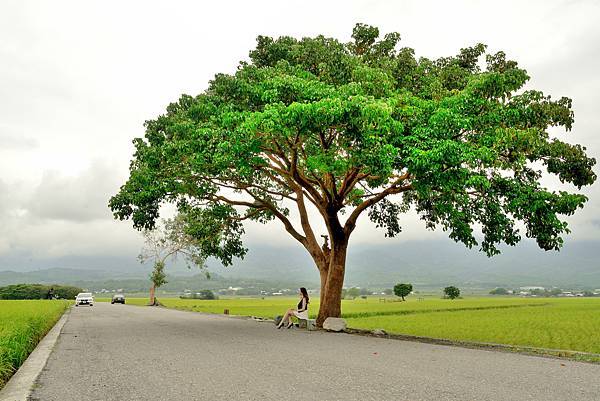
(499, 291)
(344, 127)
(451, 292)
(39, 291)
(403, 289)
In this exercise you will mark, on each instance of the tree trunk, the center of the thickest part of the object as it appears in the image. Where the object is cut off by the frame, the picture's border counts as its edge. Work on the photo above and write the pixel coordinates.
(331, 288)
(323, 274)
(152, 298)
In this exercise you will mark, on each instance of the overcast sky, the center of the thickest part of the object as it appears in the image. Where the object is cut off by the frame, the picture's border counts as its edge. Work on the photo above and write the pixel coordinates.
(79, 78)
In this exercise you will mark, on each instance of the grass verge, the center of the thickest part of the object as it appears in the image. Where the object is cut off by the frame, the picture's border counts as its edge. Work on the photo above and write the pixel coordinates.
(22, 325)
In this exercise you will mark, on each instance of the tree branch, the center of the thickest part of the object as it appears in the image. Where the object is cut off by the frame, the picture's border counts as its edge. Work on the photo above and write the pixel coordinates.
(312, 246)
(391, 190)
(277, 213)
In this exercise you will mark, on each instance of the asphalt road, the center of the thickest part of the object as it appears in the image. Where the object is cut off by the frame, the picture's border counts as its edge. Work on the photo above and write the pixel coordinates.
(120, 352)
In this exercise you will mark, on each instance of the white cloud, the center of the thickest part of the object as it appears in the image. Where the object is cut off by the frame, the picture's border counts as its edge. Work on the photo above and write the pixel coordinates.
(81, 198)
(65, 215)
(10, 141)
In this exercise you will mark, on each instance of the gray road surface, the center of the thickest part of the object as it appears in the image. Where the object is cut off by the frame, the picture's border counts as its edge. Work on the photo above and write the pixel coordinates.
(120, 352)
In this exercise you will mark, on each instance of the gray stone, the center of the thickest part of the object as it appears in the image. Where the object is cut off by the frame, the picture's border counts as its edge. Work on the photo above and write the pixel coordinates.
(379, 332)
(334, 324)
(309, 324)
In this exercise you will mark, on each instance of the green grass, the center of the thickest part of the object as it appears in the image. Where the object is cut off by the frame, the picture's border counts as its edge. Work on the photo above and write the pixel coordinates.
(22, 325)
(567, 324)
(271, 306)
(554, 323)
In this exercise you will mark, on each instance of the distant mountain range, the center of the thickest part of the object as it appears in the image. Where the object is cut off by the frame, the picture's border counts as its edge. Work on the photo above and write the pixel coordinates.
(435, 264)
(62, 275)
(97, 280)
(426, 264)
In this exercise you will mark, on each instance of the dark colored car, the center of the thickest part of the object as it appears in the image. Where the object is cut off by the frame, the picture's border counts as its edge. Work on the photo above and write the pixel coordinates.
(118, 298)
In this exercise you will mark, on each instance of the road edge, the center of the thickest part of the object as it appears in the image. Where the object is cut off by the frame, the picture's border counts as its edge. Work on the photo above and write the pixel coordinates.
(566, 355)
(20, 385)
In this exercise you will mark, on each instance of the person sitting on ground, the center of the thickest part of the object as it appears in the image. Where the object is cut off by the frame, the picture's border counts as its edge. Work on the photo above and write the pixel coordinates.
(301, 312)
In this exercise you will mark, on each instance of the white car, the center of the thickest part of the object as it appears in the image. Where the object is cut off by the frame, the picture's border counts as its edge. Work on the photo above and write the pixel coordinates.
(84, 298)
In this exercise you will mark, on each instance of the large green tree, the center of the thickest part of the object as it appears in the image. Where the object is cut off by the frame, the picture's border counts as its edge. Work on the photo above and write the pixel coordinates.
(359, 128)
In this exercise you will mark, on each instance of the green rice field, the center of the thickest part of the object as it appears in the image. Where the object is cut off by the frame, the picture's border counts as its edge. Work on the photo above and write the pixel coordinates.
(555, 323)
(22, 325)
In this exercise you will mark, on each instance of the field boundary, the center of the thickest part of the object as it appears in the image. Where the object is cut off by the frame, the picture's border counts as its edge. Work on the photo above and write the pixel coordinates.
(357, 315)
(19, 387)
(577, 356)
(438, 310)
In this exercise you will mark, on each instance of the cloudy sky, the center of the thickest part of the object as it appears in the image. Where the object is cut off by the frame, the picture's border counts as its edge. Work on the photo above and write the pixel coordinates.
(78, 79)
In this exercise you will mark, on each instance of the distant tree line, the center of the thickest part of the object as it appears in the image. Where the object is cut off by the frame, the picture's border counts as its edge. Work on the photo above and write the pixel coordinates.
(203, 294)
(537, 292)
(39, 291)
(499, 291)
(354, 292)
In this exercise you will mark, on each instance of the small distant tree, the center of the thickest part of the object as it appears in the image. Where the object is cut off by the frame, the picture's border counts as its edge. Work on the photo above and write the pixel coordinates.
(168, 241)
(364, 291)
(451, 292)
(388, 291)
(402, 290)
(353, 292)
(555, 291)
(499, 291)
(158, 279)
(539, 292)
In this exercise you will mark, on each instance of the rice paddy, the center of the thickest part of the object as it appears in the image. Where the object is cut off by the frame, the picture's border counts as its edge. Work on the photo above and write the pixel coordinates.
(22, 325)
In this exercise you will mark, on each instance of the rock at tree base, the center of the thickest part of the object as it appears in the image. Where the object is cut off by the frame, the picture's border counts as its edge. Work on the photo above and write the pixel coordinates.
(334, 324)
